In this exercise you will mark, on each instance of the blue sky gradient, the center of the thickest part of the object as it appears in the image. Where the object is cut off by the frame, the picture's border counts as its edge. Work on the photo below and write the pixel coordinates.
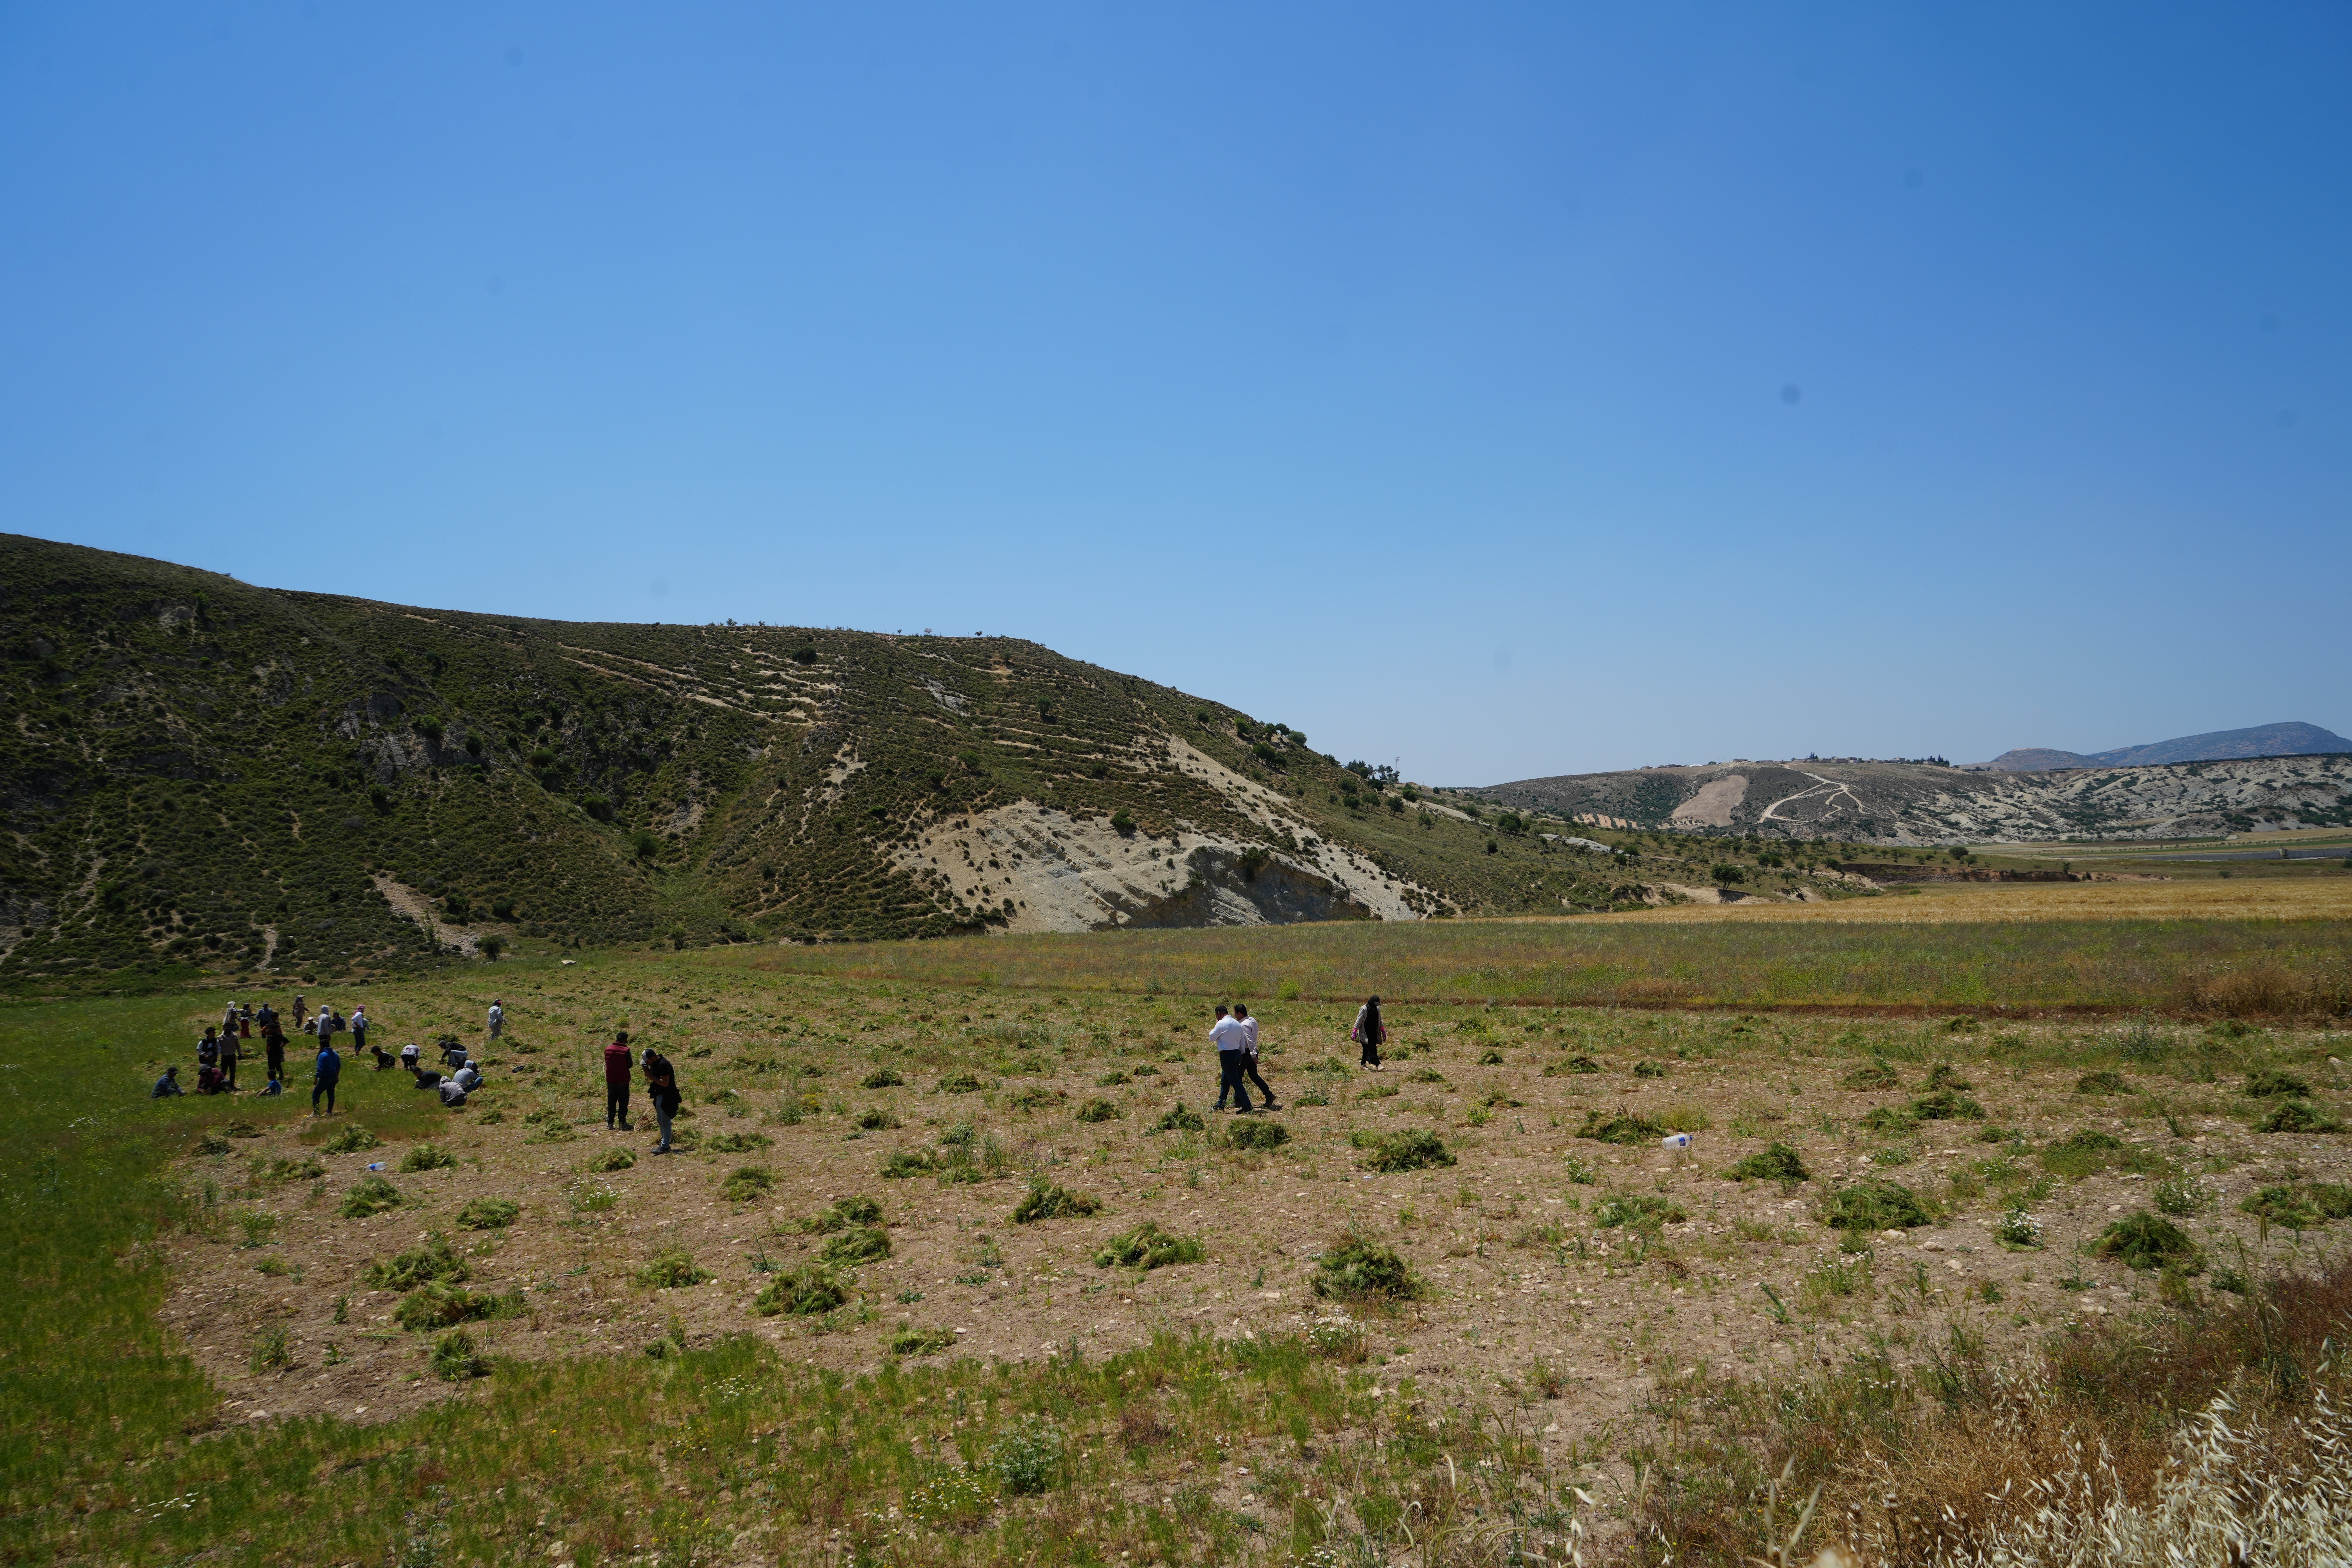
(1505, 389)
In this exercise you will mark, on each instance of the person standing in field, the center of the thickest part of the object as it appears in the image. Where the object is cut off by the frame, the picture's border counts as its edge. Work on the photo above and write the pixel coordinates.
(244, 1021)
(661, 1087)
(498, 1017)
(1368, 1034)
(325, 1073)
(208, 1048)
(298, 1013)
(228, 1054)
(273, 1043)
(1231, 1040)
(359, 1029)
(616, 1083)
(1249, 1054)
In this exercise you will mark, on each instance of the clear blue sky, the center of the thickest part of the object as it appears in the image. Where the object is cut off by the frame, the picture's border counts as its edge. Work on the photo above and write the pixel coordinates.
(1506, 389)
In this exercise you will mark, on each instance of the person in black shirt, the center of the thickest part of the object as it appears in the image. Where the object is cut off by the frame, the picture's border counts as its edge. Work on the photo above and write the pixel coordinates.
(661, 1087)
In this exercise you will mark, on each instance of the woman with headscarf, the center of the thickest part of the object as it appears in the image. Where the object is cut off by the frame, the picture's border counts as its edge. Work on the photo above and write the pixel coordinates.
(1368, 1034)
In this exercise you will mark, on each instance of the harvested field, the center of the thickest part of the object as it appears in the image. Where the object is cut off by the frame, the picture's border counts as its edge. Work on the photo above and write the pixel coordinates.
(1542, 1307)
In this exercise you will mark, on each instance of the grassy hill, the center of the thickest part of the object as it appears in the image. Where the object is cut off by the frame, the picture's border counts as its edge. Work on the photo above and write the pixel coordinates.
(206, 777)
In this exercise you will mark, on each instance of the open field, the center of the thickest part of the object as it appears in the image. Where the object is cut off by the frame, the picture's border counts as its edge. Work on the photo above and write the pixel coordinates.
(2193, 949)
(212, 1351)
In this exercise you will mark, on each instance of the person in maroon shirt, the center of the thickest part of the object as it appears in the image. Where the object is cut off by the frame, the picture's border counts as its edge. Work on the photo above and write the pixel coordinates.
(617, 1082)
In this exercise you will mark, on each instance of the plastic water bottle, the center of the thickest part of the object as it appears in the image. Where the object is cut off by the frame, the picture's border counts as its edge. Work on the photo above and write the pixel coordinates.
(379, 1164)
(1675, 1140)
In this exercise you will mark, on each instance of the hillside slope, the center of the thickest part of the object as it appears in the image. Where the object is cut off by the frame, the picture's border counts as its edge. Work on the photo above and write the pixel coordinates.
(1909, 804)
(207, 776)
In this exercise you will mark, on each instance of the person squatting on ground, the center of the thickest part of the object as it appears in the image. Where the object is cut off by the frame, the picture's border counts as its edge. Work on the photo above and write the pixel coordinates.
(617, 1082)
(166, 1086)
(458, 1085)
(326, 1075)
(1249, 1054)
(661, 1087)
(1232, 1041)
(411, 1056)
(1368, 1034)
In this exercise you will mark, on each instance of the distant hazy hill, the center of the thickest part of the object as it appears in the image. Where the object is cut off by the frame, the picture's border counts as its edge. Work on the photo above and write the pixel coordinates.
(2286, 739)
(1914, 802)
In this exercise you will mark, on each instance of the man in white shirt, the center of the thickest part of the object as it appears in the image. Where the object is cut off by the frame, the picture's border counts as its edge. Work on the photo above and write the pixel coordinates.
(1232, 1041)
(1249, 1054)
(497, 1018)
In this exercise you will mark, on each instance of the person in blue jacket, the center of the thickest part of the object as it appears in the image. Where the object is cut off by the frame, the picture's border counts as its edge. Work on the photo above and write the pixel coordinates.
(323, 1078)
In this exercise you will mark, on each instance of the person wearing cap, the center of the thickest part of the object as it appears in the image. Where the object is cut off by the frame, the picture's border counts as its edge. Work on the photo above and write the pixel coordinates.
(661, 1087)
(616, 1083)
(167, 1086)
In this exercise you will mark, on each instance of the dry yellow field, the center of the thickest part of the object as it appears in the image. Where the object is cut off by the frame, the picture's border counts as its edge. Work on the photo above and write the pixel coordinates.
(2313, 898)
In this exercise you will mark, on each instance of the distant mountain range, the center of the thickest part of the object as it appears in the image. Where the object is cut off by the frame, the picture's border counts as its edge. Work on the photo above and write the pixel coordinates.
(2286, 739)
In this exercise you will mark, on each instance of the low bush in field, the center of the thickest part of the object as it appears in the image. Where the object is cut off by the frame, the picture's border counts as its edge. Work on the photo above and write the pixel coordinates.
(1777, 1162)
(441, 1303)
(1184, 1118)
(1255, 1132)
(1413, 1149)
(489, 1213)
(2146, 1241)
(352, 1139)
(1148, 1247)
(1876, 1203)
(426, 1157)
(1354, 1268)
(1618, 1127)
(368, 1195)
(804, 1292)
(1047, 1199)
(672, 1268)
(856, 1244)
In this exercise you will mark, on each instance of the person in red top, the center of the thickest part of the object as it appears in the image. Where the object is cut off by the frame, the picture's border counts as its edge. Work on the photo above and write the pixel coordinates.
(617, 1082)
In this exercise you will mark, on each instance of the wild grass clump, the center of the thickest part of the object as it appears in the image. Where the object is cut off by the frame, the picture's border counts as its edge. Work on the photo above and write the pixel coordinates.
(276, 1172)
(1876, 1203)
(352, 1139)
(614, 1160)
(747, 1182)
(672, 1268)
(2299, 1116)
(1027, 1456)
(1099, 1110)
(435, 1259)
(874, 1118)
(455, 1359)
(1947, 1105)
(1618, 1127)
(2147, 1241)
(907, 1340)
(270, 1348)
(1255, 1132)
(961, 1083)
(2275, 1080)
(738, 1143)
(1148, 1247)
(1413, 1149)
(1182, 1119)
(880, 1078)
(1039, 1098)
(1571, 1066)
(1889, 1119)
(2080, 1153)
(856, 1244)
(2104, 1081)
(489, 1213)
(1775, 1163)
(426, 1157)
(1644, 1211)
(1047, 1199)
(900, 1163)
(843, 1213)
(1354, 1268)
(1876, 1074)
(368, 1195)
(2300, 1205)
(439, 1303)
(804, 1292)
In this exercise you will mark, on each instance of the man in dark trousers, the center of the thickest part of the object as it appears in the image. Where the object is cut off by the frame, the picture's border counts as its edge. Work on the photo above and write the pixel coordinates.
(325, 1075)
(1249, 1053)
(1232, 1041)
(617, 1082)
(661, 1087)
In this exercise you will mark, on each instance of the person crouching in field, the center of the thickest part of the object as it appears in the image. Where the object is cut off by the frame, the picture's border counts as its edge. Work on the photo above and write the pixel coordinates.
(1249, 1054)
(167, 1086)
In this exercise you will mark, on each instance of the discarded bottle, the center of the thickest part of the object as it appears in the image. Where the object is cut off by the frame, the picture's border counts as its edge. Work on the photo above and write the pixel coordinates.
(1675, 1140)
(379, 1164)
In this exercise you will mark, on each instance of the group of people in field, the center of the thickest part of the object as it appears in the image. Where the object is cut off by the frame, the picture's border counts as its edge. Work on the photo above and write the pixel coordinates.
(226, 1043)
(1235, 1034)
